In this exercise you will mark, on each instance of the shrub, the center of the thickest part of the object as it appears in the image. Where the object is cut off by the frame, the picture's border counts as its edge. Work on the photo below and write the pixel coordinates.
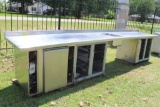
(110, 15)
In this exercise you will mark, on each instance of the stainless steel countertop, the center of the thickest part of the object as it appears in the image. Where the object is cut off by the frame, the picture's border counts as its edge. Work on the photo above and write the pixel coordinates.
(157, 32)
(34, 42)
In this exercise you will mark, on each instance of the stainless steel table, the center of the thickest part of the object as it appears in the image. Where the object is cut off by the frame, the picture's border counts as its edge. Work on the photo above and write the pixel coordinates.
(33, 42)
(156, 43)
(50, 61)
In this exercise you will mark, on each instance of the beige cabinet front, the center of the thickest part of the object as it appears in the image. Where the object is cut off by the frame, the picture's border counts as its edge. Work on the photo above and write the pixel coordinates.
(55, 69)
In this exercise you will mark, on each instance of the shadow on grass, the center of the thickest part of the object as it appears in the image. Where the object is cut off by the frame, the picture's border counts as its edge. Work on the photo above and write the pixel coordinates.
(156, 55)
(14, 95)
(112, 47)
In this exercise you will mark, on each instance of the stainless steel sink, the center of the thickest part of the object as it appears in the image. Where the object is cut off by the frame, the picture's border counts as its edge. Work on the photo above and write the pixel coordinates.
(113, 35)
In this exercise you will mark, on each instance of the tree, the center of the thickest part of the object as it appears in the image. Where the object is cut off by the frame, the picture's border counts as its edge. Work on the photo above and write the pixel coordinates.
(77, 7)
(1, 6)
(142, 7)
(51, 3)
(157, 8)
(2, 3)
(24, 4)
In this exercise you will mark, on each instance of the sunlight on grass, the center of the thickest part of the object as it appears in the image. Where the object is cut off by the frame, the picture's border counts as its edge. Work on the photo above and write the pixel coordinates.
(122, 85)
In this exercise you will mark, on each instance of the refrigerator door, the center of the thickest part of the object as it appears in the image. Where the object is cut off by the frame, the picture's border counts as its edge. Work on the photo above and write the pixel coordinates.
(55, 69)
(138, 50)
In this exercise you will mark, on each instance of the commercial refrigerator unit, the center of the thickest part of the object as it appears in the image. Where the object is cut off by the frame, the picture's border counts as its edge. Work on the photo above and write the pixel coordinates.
(46, 62)
(156, 43)
(134, 50)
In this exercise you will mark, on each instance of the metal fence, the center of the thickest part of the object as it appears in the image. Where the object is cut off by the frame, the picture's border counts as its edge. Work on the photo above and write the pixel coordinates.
(69, 15)
(146, 19)
(55, 15)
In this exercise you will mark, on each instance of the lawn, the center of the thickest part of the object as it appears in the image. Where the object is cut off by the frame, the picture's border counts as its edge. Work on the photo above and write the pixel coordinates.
(122, 85)
(83, 17)
(15, 14)
(132, 25)
(142, 27)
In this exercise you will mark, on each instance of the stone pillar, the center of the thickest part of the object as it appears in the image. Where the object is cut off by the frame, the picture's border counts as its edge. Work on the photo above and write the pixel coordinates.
(122, 14)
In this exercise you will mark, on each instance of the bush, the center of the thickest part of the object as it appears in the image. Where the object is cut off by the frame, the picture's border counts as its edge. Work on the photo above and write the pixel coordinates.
(110, 15)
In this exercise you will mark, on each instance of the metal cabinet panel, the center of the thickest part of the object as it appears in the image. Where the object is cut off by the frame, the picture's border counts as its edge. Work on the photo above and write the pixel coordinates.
(134, 50)
(55, 69)
(142, 49)
(21, 70)
(127, 51)
(156, 44)
(83, 58)
(145, 49)
(148, 48)
(98, 59)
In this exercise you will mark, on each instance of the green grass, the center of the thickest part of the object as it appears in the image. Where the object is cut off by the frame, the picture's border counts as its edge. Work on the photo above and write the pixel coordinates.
(122, 85)
(9, 14)
(15, 25)
(142, 27)
(14, 14)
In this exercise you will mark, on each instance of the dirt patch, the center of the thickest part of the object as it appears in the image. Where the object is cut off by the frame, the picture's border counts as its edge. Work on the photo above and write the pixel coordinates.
(7, 64)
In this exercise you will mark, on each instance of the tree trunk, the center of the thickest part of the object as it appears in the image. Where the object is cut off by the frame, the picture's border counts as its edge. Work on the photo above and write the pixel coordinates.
(64, 8)
(22, 10)
(142, 19)
(78, 15)
(54, 6)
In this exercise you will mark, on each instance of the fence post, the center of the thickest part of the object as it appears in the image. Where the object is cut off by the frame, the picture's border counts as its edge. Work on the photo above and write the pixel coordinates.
(154, 17)
(59, 18)
(0, 40)
(122, 14)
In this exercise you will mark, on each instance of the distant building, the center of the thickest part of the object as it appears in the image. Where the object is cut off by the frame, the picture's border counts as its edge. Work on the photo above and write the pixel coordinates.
(14, 7)
(149, 18)
(37, 8)
(134, 17)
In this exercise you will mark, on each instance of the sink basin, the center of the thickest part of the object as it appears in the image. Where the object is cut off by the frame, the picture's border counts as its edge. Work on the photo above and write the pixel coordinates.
(113, 35)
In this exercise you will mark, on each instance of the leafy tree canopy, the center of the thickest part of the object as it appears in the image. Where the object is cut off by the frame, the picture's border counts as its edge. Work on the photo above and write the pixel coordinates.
(142, 7)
